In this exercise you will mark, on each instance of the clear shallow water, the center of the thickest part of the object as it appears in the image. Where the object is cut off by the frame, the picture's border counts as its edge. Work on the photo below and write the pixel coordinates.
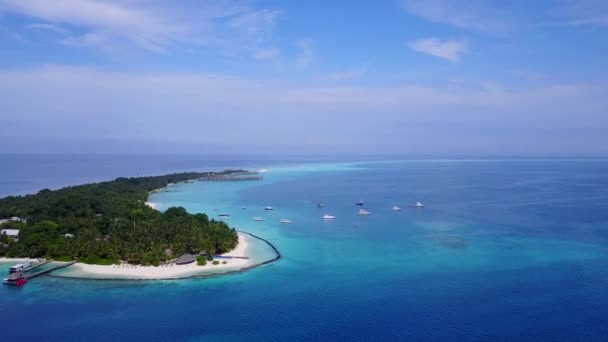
(504, 250)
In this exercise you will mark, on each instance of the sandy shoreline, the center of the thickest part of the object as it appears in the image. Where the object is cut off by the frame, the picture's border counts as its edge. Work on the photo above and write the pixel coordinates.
(80, 270)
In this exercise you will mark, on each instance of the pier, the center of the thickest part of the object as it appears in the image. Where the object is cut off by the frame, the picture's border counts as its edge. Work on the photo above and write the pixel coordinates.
(48, 270)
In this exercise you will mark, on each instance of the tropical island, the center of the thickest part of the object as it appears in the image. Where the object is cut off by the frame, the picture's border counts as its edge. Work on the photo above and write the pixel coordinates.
(110, 223)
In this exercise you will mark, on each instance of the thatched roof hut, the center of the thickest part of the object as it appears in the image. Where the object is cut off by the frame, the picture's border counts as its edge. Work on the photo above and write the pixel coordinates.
(185, 259)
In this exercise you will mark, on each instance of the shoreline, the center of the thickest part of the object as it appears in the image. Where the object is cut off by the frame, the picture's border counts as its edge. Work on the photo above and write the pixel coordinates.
(174, 272)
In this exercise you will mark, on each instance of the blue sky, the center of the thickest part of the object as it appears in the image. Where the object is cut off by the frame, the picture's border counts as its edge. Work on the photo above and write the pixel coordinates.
(331, 77)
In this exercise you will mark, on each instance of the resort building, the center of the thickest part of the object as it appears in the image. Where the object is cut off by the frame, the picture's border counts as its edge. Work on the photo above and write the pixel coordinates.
(68, 235)
(10, 232)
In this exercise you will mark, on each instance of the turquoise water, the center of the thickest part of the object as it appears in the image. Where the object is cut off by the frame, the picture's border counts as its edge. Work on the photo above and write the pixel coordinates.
(504, 250)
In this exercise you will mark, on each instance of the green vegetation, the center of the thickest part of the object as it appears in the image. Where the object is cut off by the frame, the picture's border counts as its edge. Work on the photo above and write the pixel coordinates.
(109, 221)
(224, 262)
(201, 260)
(210, 257)
(215, 262)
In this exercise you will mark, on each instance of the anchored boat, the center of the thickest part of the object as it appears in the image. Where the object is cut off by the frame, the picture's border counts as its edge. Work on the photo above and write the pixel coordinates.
(328, 217)
(15, 279)
(285, 221)
(22, 267)
(364, 212)
(417, 205)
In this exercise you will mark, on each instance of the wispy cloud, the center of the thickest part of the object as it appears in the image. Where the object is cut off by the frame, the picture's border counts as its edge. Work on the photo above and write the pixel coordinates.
(47, 27)
(156, 26)
(265, 54)
(475, 15)
(346, 74)
(86, 103)
(446, 49)
(305, 53)
(583, 13)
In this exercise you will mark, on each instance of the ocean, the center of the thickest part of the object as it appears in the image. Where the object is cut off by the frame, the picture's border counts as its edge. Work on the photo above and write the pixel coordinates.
(504, 250)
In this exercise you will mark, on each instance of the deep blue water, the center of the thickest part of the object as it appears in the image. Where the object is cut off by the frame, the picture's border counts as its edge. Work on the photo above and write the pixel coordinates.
(504, 250)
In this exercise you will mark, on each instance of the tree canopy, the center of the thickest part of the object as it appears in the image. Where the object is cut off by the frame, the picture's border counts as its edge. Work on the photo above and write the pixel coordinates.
(109, 221)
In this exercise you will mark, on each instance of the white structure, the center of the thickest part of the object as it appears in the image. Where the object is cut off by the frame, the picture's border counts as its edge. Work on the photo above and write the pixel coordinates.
(68, 235)
(10, 232)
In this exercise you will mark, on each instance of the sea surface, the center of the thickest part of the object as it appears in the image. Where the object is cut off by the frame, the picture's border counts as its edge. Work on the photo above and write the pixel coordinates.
(504, 250)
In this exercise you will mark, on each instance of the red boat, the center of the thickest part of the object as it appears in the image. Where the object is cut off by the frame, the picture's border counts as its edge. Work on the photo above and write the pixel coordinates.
(16, 279)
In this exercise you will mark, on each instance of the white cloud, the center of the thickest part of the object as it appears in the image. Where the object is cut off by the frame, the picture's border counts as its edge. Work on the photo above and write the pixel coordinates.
(473, 14)
(157, 26)
(446, 49)
(305, 53)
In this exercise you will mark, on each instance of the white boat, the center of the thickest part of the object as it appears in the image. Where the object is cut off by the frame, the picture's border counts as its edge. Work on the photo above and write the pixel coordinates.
(257, 218)
(417, 205)
(396, 208)
(328, 217)
(364, 212)
(320, 205)
(268, 208)
(285, 221)
(22, 267)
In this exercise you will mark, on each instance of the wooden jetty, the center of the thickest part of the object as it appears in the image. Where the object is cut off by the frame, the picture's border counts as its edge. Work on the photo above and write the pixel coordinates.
(48, 270)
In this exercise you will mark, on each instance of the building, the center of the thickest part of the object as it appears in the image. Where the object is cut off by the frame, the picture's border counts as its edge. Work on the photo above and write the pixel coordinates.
(185, 259)
(68, 235)
(10, 232)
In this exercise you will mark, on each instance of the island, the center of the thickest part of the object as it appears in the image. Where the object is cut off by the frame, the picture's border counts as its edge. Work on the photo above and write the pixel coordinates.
(109, 229)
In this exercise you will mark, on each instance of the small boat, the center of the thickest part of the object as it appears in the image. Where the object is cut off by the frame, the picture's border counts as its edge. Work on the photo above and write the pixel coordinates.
(15, 279)
(257, 218)
(417, 205)
(328, 217)
(22, 267)
(364, 212)
(359, 203)
(244, 208)
(396, 208)
(223, 216)
(285, 221)
(268, 208)
(320, 205)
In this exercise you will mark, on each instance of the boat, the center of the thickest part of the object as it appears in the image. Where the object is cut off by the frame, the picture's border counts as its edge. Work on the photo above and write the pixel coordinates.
(257, 218)
(396, 208)
(15, 279)
(285, 221)
(359, 203)
(328, 217)
(320, 205)
(22, 267)
(417, 205)
(268, 208)
(364, 212)
(223, 216)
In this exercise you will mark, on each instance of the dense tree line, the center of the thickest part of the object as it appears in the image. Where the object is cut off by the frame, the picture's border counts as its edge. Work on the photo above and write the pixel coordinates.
(110, 221)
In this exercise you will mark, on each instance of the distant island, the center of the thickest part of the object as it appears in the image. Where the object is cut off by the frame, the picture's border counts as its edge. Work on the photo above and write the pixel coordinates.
(109, 223)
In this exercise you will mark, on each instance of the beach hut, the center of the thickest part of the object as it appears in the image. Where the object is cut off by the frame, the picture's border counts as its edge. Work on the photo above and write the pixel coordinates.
(185, 259)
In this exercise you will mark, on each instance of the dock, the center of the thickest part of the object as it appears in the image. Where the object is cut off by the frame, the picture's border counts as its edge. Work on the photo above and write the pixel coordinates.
(48, 270)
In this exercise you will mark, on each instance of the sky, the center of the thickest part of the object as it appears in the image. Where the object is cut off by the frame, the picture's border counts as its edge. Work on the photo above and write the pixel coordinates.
(305, 77)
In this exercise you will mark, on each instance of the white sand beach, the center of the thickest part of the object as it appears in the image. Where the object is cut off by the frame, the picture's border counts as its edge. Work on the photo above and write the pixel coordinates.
(152, 205)
(125, 271)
